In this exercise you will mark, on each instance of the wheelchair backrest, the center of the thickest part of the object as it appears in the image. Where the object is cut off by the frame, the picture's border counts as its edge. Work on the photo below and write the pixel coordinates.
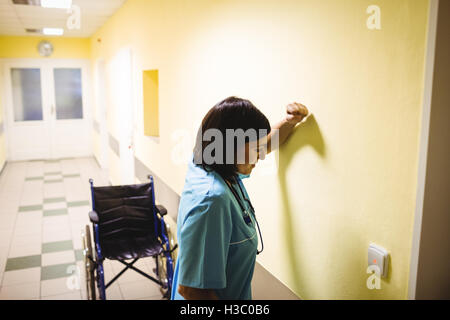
(126, 226)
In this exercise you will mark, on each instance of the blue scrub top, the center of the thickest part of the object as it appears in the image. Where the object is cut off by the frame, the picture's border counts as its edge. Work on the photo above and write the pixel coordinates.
(217, 248)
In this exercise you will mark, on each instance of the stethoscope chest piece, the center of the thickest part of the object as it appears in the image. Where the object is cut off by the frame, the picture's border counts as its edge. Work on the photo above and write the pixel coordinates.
(247, 218)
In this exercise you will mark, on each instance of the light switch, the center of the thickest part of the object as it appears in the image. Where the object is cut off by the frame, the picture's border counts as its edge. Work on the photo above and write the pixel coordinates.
(378, 256)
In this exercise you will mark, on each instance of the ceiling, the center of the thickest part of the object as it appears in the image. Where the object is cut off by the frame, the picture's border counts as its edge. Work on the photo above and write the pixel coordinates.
(14, 19)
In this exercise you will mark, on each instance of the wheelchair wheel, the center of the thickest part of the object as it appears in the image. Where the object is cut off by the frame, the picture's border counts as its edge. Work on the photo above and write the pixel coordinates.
(162, 265)
(161, 273)
(88, 264)
(172, 243)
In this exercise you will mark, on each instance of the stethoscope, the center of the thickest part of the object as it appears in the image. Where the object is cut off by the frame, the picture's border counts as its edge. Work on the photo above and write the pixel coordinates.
(246, 215)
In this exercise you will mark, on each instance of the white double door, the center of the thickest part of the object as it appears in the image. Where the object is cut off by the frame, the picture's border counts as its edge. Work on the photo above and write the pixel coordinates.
(47, 108)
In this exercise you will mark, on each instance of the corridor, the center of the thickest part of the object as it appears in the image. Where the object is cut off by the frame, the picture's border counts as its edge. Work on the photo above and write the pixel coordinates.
(349, 96)
(44, 206)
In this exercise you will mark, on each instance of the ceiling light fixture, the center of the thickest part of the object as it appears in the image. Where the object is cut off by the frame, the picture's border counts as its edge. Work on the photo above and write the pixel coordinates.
(59, 4)
(27, 2)
(53, 31)
(30, 30)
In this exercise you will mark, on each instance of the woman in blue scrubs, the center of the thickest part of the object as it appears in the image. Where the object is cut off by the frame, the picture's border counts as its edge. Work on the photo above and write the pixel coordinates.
(216, 226)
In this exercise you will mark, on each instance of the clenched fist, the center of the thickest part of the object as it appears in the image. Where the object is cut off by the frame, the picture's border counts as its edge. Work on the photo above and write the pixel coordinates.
(296, 112)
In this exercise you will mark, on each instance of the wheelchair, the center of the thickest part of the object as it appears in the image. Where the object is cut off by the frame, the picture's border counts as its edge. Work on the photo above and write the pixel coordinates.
(127, 225)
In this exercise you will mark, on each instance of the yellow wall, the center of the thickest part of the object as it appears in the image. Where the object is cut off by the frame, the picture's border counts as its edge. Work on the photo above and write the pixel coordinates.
(346, 177)
(26, 47)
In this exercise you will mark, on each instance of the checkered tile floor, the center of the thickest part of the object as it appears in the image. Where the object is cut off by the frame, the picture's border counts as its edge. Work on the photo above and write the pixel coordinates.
(44, 206)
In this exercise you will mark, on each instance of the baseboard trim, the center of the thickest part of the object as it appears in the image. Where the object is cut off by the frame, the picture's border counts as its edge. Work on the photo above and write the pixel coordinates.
(3, 167)
(265, 286)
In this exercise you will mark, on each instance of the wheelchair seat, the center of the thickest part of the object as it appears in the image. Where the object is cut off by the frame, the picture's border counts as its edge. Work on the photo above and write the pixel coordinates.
(126, 222)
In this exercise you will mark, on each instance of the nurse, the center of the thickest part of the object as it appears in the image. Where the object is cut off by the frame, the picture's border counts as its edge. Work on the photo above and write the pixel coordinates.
(216, 226)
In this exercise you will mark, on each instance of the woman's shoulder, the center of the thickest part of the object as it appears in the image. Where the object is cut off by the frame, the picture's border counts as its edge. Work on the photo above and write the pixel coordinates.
(218, 188)
(201, 194)
(203, 185)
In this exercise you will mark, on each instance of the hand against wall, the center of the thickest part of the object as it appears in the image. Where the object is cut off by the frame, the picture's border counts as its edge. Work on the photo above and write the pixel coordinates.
(296, 112)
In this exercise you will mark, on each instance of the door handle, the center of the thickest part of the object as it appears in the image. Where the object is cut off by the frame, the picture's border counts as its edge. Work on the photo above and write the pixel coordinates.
(52, 110)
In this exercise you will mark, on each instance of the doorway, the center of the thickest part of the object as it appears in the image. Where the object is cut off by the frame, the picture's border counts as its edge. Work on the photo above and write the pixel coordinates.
(47, 111)
(121, 109)
(101, 113)
(430, 260)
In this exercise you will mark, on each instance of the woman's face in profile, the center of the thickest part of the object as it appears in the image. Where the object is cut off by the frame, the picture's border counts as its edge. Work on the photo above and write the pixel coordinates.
(253, 151)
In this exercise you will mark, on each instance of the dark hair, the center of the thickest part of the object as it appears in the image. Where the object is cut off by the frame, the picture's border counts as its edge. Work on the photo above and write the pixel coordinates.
(231, 113)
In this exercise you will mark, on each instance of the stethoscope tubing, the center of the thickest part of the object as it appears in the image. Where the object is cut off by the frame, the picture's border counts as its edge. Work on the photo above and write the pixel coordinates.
(244, 211)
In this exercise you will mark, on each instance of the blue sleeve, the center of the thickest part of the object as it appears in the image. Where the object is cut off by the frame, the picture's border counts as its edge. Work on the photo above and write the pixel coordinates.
(204, 241)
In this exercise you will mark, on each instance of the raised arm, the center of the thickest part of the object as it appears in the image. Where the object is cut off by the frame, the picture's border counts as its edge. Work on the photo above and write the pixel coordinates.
(295, 113)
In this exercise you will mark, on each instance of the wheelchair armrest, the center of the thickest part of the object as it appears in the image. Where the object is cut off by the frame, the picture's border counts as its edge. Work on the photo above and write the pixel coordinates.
(161, 210)
(93, 216)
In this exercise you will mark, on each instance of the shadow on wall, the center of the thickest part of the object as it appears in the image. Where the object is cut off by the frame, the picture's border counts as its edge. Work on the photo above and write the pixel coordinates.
(306, 134)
